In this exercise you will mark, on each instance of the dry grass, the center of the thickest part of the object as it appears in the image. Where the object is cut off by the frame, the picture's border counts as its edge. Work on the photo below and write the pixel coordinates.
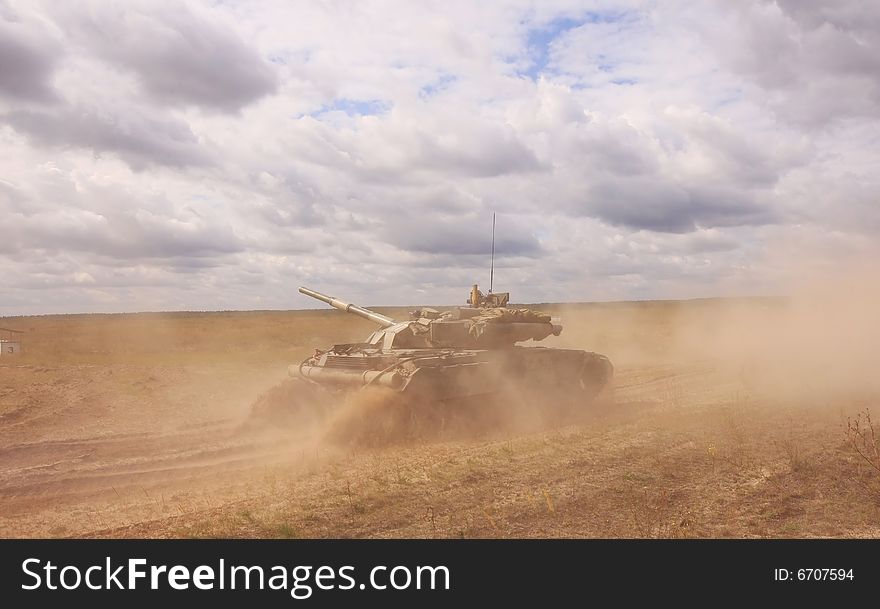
(862, 439)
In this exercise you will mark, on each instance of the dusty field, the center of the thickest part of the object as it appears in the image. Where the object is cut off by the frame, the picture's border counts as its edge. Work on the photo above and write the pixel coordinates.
(727, 419)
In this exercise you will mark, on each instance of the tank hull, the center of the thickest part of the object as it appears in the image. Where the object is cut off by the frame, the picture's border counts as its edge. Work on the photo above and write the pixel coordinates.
(446, 375)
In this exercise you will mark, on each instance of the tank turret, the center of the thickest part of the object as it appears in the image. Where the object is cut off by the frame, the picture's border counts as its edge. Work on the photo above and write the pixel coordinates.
(486, 325)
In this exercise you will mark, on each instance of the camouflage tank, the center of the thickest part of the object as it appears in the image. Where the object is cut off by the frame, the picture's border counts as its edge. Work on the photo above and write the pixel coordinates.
(461, 354)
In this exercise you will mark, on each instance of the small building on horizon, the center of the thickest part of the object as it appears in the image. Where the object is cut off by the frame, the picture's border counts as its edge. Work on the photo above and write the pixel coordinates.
(10, 341)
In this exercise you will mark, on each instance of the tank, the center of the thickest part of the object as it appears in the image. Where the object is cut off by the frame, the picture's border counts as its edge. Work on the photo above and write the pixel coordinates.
(465, 354)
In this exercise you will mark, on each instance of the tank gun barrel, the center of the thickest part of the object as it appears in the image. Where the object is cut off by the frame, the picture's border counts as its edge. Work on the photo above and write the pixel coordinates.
(382, 320)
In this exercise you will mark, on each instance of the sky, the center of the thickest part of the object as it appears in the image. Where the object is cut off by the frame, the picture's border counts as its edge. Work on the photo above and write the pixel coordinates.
(217, 155)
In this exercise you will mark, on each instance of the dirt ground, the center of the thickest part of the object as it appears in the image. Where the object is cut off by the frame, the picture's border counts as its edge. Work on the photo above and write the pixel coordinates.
(726, 419)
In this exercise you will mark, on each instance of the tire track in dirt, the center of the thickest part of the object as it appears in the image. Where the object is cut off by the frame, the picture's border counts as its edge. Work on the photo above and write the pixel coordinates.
(93, 470)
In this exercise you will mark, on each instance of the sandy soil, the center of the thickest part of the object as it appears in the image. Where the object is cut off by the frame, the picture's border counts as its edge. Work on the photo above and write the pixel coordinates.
(719, 424)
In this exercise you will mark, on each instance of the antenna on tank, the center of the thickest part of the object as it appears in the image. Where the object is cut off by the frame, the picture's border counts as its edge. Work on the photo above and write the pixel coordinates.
(492, 267)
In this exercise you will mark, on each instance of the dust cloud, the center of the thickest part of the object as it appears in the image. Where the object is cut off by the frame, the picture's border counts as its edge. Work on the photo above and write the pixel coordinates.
(820, 340)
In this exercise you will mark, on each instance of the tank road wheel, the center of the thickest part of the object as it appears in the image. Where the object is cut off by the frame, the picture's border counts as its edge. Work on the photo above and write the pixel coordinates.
(596, 373)
(584, 395)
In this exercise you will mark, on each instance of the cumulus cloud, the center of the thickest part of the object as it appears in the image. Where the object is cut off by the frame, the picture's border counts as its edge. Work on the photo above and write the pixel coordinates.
(215, 155)
(28, 57)
(178, 54)
(140, 140)
(457, 234)
(110, 223)
(815, 61)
